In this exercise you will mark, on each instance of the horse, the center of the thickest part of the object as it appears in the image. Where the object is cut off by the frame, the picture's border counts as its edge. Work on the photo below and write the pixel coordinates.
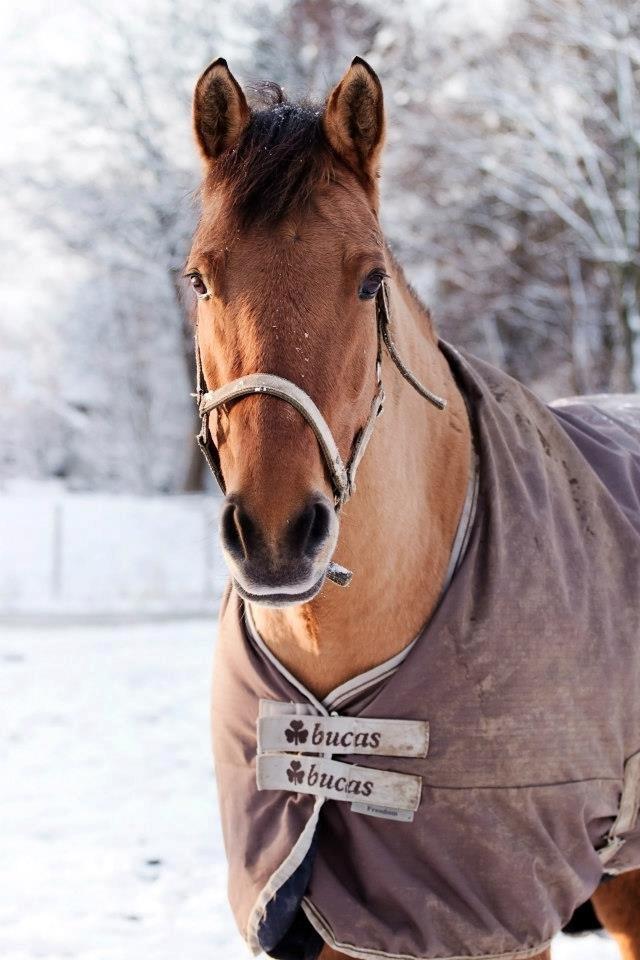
(304, 320)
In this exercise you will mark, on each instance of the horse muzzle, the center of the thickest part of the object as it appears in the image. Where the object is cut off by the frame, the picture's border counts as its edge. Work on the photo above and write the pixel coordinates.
(280, 568)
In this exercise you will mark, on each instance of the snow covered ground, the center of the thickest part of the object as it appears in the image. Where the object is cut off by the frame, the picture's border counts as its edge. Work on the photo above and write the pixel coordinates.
(110, 844)
(97, 555)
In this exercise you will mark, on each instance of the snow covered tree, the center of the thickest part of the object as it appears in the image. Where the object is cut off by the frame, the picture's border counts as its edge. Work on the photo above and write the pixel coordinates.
(510, 192)
(560, 105)
(115, 193)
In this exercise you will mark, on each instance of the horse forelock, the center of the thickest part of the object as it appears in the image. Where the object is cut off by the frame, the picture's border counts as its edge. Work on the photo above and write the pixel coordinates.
(280, 158)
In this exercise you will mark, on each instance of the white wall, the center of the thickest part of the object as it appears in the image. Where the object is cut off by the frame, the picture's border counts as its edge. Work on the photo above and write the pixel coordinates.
(95, 555)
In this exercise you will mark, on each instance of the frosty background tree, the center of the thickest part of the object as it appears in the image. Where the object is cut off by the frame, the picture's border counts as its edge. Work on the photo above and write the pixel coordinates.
(512, 194)
(566, 146)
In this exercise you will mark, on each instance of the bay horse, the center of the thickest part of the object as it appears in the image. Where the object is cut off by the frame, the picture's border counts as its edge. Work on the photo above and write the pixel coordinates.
(289, 266)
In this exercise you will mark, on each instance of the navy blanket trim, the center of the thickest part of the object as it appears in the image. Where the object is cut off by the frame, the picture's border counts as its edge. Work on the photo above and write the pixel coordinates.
(300, 942)
(285, 933)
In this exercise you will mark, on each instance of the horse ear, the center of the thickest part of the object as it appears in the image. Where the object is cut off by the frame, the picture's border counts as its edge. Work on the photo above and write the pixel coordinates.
(353, 118)
(220, 110)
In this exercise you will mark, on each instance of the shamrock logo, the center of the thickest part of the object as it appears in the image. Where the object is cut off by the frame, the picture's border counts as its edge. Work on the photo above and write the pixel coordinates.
(296, 733)
(295, 772)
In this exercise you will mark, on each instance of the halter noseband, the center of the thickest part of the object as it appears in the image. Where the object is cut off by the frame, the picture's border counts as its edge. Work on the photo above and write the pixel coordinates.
(342, 476)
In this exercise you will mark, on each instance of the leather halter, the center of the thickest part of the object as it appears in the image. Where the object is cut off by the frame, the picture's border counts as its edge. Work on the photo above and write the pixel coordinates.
(342, 475)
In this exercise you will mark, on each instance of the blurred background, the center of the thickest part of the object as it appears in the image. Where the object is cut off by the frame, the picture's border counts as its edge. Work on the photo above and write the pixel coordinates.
(511, 194)
(510, 182)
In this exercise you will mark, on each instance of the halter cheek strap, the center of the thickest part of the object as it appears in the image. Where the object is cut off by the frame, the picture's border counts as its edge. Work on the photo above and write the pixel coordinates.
(342, 476)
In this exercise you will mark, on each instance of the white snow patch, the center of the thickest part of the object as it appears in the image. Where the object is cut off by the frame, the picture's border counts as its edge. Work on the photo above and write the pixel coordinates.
(94, 555)
(111, 841)
(587, 947)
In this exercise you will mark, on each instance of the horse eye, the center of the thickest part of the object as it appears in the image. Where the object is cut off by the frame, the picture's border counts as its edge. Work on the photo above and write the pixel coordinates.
(371, 284)
(198, 284)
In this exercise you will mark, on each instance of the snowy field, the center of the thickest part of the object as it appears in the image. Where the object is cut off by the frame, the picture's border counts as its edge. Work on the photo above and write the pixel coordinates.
(111, 848)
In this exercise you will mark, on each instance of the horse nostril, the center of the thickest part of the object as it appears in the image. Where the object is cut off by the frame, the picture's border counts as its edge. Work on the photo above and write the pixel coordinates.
(238, 532)
(311, 529)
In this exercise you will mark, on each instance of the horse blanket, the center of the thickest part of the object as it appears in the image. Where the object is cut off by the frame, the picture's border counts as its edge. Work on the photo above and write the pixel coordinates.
(462, 799)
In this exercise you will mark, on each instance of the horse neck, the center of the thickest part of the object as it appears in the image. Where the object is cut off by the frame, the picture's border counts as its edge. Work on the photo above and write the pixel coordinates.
(397, 531)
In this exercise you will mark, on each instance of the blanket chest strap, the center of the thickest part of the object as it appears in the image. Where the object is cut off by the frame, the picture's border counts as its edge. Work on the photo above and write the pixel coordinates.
(336, 780)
